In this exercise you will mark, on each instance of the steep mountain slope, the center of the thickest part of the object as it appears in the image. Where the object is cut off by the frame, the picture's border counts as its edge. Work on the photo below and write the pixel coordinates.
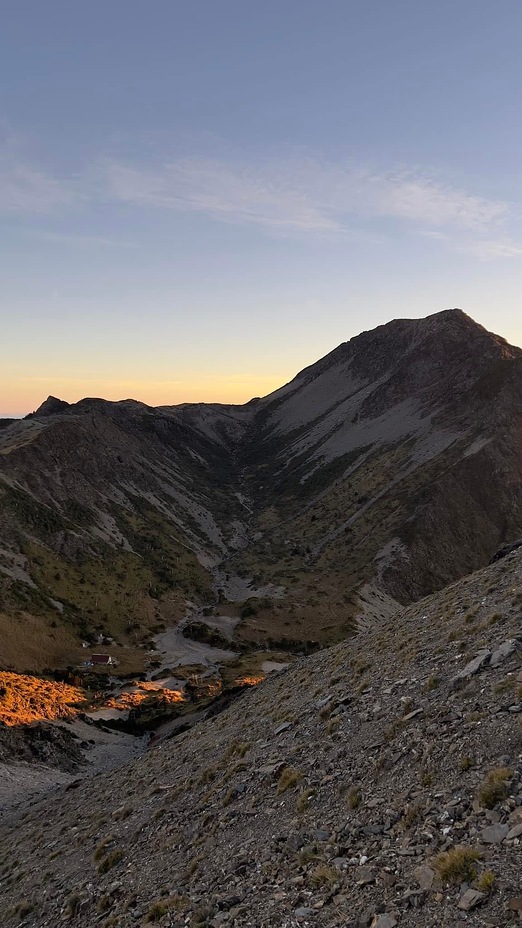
(378, 783)
(105, 509)
(394, 461)
(379, 474)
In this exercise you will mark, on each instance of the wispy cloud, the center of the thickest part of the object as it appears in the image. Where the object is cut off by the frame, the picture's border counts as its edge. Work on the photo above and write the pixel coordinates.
(77, 240)
(298, 195)
(301, 195)
(246, 195)
(28, 190)
(481, 247)
(488, 249)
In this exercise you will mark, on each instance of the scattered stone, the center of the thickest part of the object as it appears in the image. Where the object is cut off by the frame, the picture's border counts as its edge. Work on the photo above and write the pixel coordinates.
(384, 921)
(283, 727)
(365, 876)
(304, 855)
(472, 667)
(494, 834)
(504, 651)
(424, 876)
(470, 900)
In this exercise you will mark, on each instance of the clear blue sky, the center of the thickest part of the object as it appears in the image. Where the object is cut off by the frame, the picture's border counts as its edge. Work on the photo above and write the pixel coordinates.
(200, 197)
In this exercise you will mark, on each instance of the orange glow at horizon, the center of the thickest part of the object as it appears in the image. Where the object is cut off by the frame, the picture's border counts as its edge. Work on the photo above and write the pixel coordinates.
(19, 396)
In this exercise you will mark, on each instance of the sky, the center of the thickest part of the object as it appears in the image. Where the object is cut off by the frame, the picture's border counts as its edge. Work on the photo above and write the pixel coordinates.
(198, 199)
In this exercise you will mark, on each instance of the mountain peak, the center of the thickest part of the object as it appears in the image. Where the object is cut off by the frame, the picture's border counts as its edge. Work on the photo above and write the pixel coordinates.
(51, 406)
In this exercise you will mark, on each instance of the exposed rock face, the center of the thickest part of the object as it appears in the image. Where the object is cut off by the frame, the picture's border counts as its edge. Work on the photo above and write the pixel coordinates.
(52, 746)
(391, 467)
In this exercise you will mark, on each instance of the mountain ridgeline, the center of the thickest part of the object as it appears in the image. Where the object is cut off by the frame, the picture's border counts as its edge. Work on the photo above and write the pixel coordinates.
(380, 474)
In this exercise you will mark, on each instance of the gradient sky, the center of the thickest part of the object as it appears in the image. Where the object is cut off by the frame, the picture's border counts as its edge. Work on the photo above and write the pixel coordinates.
(198, 198)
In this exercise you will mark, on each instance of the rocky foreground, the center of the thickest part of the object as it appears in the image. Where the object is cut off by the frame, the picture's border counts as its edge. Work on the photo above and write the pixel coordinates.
(377, 783)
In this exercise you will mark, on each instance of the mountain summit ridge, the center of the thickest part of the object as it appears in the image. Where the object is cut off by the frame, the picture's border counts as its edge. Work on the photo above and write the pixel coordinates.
(447, 319)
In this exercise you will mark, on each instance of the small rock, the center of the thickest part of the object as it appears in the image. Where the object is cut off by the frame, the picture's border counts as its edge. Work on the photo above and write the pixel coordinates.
(470, 900)
(384, 921)
(219, 919)
(340, 863)
(504, 651)
(424, 877)
(365, 876)
(303, 912)
(283, 727)
(387, 879)
(515, 904)
(494, 834)
(514, 833)
(472, 667)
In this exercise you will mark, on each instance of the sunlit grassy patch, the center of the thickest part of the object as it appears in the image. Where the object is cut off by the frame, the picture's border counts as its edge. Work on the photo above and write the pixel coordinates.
(25, 699)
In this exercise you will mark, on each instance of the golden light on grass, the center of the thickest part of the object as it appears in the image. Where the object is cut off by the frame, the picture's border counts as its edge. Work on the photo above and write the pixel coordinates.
(251, 680)
(132, 700)
(25, 699)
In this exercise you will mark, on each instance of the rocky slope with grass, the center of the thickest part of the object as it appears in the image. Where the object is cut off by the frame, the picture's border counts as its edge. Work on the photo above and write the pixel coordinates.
(394, 461)
(376, 783)
(108, 510)
(379, 474)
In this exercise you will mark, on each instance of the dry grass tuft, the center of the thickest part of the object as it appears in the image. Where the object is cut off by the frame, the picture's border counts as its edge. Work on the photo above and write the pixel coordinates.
(289, 778)
(323, 876)
(110, 861)
(457, 865)
(486, 882)
(303, 800)
(495, 787)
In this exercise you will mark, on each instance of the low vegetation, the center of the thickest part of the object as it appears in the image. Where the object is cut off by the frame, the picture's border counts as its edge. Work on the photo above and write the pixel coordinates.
(25, 699)
(485, 882)
(289, 778)
(457, 865)
(110, 861)
(495, 787)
